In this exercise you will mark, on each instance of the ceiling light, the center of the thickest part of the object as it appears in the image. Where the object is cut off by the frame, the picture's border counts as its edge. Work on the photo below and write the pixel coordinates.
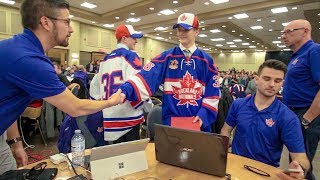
(93, 22)
(230, 42)
(229, 17)
(258, 20)
(253, 41)
(273, 20)
(270, 30)
(237, 40)
(202, 35)
(133, 20)
(252, 46)
(169, 37)
(241, 16)
(259, 50)
(215, 30)
(287, 49)
(276, 42)
(219, 1)
(117, 17)
(159, 38)
(108, 25)
(71, 16)
(282, 46)
(256, 27)
(279, 10)
(246, 44)
(176, 10)
(247, 38)
(167, 12)
(206, 3)
(294, 8)
(175, 2)
(201, 22)
(88, 5)
(160, 28)
(203, 29)
(241, 35)
(319, 14)
(132, 13)
(285, 24)
(217, 39)
(151, 8)
(159, 14)
(223, 26)
(233, 46)
(170, 32)
(279, 37)
(233, 31)
(219, 45)
(258, 43)
(8, 2)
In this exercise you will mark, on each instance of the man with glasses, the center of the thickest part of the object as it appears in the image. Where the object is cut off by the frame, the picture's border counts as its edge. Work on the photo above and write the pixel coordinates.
(263, 124)
(26, 74)
(301, 90)
(189, 75)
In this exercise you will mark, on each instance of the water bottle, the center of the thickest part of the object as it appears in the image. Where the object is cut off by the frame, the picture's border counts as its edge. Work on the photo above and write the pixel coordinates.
(77, 148)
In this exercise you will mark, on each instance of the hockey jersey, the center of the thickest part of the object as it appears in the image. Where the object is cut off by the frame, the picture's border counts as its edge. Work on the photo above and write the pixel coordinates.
(117, 67)
(191, 87)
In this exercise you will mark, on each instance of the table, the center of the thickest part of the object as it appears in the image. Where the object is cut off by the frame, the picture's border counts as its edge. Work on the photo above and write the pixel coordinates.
(158, 170)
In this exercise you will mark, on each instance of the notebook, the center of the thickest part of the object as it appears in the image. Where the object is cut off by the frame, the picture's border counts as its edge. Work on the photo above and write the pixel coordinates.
(195, 150)
(185, 123)
(113, 161)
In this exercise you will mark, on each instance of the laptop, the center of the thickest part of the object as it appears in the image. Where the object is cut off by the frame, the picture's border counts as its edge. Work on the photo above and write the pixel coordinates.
(195, 150)
(113, 161)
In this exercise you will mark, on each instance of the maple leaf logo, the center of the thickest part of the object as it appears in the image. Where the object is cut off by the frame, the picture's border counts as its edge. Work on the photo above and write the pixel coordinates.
(183, 17)
(137, 62)
(187, 94)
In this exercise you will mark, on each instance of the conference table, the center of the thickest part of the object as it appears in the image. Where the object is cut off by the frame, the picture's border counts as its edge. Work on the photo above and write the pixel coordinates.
(157, 170)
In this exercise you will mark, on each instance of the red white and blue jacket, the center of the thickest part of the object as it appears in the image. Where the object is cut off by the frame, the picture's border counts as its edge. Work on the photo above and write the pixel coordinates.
(117, 67)
(191, 87)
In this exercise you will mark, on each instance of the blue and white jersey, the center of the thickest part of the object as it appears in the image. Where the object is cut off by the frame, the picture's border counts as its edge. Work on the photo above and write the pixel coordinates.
(117, 67)
(191, 87)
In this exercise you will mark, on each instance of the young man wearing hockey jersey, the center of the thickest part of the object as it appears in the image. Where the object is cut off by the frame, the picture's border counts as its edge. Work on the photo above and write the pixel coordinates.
(121, 123)
(189, 75)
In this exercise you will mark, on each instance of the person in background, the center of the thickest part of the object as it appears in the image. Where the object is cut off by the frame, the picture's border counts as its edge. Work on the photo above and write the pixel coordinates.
(301, 89)
(26, 73)
(189, 75)
(251, 88)
(121, 123)
(91, 67)
(264, 124)
(62, 77)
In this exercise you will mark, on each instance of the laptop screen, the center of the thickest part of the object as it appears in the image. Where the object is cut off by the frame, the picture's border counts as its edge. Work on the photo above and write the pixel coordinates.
(195, 150)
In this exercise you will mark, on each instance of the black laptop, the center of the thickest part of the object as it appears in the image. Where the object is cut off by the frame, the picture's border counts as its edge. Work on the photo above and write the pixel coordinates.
(195, 150)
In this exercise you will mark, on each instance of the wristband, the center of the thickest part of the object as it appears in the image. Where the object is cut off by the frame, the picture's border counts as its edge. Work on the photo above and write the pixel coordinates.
(14, 140)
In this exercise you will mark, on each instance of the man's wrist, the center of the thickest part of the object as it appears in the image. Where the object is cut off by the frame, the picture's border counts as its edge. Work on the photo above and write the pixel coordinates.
(14, 141)
(304, 170)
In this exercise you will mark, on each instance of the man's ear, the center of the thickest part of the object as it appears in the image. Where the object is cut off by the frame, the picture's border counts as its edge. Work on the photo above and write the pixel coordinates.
(44, 22)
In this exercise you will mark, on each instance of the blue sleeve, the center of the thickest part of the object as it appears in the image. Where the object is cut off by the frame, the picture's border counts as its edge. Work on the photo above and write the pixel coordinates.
(315, 63)
(209, 107)
(231, 119)
(37, 77)
(291, 135)
(145, 83)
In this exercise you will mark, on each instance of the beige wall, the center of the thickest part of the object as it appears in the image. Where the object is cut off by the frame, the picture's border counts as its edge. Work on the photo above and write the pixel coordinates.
(247, 61)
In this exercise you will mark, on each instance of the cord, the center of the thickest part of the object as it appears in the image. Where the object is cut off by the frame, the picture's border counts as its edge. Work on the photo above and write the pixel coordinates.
(24, 141)
(71, 164)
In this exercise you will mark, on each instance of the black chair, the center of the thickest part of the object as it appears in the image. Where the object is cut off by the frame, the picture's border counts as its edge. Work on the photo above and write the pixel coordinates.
(75, 90)
(154, 117)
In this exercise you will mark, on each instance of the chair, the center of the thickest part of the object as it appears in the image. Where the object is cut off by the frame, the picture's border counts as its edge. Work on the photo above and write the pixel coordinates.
(34, 114)
(154, 117)
(155, 100)
(75, 90)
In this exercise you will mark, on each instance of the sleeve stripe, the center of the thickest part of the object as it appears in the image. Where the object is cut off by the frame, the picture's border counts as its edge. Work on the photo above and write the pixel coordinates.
(136, 90)
(209, 107)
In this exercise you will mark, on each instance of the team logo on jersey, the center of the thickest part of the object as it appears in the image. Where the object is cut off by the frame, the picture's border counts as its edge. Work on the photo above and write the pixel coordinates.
(294, 62)
(148, 66)
(137, 62)
(187, 94)
(269, 122)
(173, 64)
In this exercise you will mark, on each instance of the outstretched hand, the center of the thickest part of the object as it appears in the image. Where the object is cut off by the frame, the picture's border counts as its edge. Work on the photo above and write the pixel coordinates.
(117, 98)
(292, 175)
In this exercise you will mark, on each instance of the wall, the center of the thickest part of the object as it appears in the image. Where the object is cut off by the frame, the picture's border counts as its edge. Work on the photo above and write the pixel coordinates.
(248, 61)
(10, 22)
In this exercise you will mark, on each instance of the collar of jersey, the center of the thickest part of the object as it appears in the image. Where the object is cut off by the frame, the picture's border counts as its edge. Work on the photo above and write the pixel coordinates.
(120, 45)
(192, 49)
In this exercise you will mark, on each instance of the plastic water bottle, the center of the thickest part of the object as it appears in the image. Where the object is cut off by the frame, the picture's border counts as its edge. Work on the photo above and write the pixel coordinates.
(77, 148)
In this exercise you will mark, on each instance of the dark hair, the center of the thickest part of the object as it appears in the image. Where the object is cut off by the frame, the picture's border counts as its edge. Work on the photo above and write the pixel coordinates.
(274, 64)
(32, 10)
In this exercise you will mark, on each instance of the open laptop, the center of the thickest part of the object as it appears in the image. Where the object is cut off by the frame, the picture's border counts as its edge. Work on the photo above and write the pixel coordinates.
(195, 150)
(113, 161)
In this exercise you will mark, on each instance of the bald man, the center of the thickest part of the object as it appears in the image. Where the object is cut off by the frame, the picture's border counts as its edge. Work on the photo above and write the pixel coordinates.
(301, 92)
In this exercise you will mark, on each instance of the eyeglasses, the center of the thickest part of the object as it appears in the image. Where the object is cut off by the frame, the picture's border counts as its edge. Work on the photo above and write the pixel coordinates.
(257, 171)
(35, 171)
(288, 31)
(66, 21)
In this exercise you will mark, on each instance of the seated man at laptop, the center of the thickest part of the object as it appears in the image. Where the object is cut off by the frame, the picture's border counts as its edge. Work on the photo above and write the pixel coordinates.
(263, 124)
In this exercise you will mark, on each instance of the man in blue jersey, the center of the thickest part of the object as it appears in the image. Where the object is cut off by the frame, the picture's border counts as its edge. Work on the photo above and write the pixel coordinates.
(26, 74)
(264, 124)
(122, 122)
(189, 75)
(301, 90)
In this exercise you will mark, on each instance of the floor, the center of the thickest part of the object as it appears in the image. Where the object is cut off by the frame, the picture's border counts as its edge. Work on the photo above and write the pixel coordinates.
(51, 148)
